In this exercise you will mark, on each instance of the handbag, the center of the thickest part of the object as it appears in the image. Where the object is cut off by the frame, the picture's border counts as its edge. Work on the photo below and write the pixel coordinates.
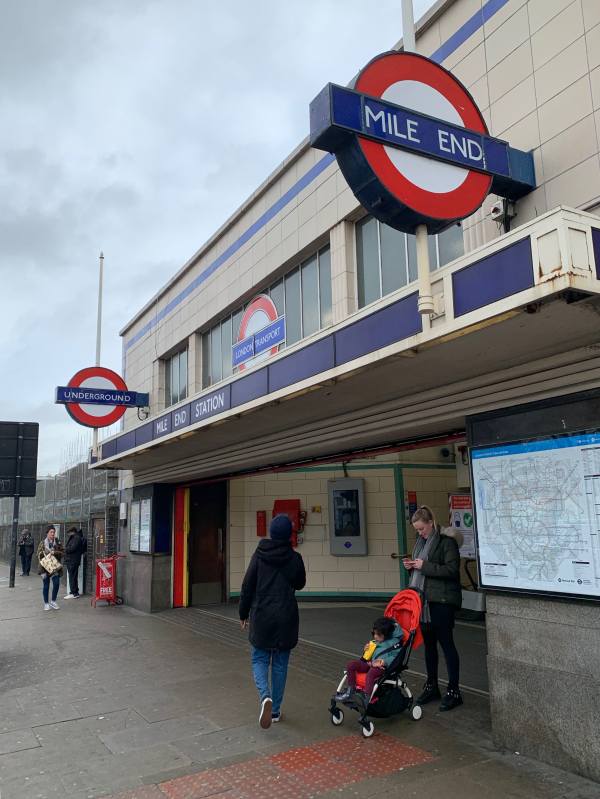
(50, 564)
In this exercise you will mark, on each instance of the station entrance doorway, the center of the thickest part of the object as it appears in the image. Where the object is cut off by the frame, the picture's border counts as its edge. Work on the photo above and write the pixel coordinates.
(345, 593)
(206, 543)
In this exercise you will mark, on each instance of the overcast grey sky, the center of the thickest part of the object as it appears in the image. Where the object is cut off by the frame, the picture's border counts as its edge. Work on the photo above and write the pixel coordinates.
(137, 127)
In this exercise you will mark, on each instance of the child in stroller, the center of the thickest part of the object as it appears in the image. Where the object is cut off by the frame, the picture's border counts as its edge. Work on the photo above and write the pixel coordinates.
(372, 685)
(378, 654)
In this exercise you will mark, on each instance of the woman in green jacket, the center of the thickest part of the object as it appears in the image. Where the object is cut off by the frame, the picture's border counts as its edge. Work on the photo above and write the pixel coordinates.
(435, 571)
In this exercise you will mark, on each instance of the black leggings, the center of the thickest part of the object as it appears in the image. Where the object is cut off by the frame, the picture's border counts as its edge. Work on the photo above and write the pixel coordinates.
(439, 631)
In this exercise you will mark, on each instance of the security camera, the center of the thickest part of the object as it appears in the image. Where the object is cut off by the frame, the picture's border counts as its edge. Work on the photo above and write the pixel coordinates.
(502, 210)
(497, 211)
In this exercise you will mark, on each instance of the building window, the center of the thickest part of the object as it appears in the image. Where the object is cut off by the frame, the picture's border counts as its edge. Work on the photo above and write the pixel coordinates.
(387, 259)
(303, 296)
(176, 378)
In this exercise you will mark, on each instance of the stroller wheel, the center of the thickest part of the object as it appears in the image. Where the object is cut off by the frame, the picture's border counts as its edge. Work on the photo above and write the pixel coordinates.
(368, 729)
(337, 716)
(416, 712)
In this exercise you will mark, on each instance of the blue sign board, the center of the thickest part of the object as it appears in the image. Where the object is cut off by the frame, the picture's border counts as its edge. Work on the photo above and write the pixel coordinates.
(338, 113)
(101, 396)
(242, 351)
(162, 426)
(181, 417)
(270, 336)
(211, 404)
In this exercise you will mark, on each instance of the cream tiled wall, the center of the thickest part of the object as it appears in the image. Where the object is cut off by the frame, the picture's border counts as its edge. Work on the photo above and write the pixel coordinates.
(534, 69)
(375, 573)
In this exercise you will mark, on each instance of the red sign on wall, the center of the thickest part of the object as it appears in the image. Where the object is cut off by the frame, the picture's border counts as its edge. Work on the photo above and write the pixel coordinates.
(261, 523)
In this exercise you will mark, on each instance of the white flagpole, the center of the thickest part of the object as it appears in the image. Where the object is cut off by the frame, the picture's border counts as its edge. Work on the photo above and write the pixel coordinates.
(425, 302)
(98, 340)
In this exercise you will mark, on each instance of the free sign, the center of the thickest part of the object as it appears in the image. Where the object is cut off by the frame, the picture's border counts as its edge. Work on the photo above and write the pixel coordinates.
(413, 145)
(98, 397)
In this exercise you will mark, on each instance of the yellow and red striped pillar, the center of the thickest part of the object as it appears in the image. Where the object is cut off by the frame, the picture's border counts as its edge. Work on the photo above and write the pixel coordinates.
(181, 529)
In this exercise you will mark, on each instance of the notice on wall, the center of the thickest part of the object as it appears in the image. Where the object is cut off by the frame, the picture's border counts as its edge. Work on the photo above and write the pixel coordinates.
(134, 527)
(145, 525)
(461, 519)
(537, 509)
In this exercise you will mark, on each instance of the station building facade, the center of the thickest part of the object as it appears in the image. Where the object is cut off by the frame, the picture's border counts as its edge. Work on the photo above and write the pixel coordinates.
(364, 387)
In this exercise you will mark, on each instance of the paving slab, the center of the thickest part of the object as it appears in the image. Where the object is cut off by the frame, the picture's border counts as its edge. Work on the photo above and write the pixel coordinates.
(118, 703)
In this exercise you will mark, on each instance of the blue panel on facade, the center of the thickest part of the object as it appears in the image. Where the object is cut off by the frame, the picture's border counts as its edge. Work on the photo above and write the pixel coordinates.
(596, 243)
(242, 351)
(270, 336)
(126, 441)
(309, 361)
(391, 324)
(109, 448)
(180, 417)
(211, 404)
(500, 275)
(143, 434)
(249, 388)
(162, 426)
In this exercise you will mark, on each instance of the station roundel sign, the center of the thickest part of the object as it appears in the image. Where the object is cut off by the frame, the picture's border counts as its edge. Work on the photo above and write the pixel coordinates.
(412, 189)
(96, 415)
(259, 313)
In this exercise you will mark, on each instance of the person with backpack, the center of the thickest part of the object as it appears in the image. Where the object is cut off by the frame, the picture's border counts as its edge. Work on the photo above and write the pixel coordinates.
(268, 603)
(26, 548)
(73, 553)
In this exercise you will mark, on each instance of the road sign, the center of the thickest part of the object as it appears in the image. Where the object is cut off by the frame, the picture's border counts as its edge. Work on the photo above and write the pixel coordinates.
(98, 397)
(413, 145)
(260, 334)
(18, 458)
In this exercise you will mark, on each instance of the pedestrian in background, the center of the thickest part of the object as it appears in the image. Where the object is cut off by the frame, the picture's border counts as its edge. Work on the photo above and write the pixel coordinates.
(268, 601)
(26, 552)
(49, 545)
(73, 553)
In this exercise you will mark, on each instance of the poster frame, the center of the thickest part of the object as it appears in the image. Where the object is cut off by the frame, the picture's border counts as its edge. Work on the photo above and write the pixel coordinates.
(541, 593)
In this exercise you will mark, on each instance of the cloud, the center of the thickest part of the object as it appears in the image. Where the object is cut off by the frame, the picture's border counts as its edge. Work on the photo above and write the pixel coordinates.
(138, 127)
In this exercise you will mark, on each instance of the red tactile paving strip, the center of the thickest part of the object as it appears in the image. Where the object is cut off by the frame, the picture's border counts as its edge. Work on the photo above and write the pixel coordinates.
(300, 773)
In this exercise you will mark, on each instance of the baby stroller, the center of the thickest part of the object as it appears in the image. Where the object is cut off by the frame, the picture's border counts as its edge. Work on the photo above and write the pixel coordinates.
(391, 695)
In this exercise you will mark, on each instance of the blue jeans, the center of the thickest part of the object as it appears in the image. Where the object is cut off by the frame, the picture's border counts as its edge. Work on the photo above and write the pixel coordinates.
(278, 659)
(46, 586)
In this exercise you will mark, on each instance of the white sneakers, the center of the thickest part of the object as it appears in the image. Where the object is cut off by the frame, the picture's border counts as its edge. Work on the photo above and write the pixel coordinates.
(46, 606)
(54, 606)
(266, 709)
(69, 596)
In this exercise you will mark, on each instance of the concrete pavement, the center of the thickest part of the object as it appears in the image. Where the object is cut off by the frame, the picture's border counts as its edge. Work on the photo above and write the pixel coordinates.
(113, 702)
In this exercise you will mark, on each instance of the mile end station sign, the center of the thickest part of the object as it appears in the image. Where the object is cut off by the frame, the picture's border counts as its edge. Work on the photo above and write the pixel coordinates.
(413, 145)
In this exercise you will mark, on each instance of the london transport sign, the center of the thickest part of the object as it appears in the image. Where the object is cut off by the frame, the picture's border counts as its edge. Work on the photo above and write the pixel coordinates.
(98, 397)
(261, 333)
(413, 145)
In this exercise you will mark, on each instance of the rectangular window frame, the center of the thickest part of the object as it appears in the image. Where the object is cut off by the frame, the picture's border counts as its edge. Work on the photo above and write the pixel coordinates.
(174, 363)
(206, 334)
(433, 267)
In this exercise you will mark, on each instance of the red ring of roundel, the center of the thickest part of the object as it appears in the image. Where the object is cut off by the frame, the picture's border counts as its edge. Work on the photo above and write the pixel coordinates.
(262, 303)
(80, 415)
(376, 77)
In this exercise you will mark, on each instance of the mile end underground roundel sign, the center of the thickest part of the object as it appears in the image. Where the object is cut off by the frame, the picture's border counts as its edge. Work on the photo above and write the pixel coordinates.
(413, 145)
(98, 397)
